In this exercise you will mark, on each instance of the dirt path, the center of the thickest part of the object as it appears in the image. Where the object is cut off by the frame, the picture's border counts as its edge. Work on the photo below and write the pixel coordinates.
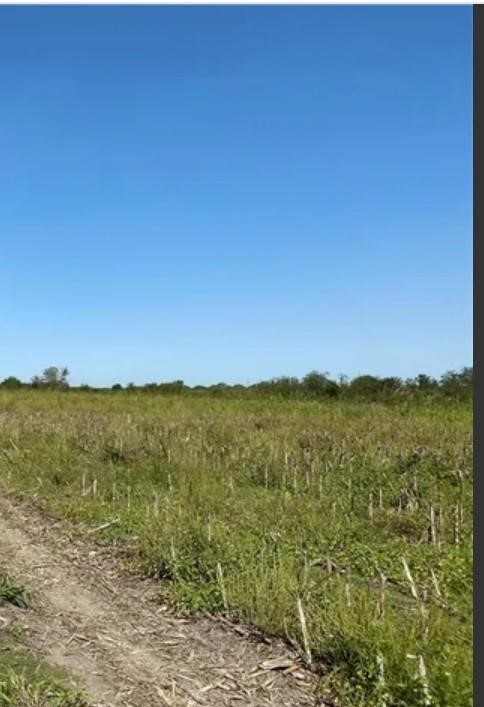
(103, 627)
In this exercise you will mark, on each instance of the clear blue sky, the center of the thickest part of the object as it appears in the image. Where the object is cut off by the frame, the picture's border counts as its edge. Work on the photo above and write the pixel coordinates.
(235, 193)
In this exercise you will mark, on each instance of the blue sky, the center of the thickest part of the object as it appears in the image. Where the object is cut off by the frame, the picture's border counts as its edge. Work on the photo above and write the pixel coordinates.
(230, 193)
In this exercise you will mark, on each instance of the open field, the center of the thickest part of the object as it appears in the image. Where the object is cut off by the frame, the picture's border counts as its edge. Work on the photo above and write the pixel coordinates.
(344, 527)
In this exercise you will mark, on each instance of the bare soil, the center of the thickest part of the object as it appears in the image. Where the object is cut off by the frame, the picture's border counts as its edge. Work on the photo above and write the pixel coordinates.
(109, 631)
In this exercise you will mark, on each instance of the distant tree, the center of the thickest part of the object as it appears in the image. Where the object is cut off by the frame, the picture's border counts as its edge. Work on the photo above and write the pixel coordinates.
(177, 386)
(52, 377)
(391, 384)
(36, 381)
(366, 387)
(457, 384)
(284, 386)
(117, 386)
(11, 383)
(200, 389)
(85, 387)
(218, 389)
(425, 383)
(319, 385)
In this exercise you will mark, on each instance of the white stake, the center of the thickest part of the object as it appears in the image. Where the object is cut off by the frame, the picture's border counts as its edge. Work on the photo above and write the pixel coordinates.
(433, 534)
(220, 578)
(348, 586)
(304, 631)
(408, 574)
(381, 677)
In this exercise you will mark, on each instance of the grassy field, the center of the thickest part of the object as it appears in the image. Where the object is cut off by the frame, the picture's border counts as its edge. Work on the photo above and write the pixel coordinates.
(345, 527)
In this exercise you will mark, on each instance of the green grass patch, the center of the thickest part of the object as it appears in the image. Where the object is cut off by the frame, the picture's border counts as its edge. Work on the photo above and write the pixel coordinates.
(13, 593)
(24, 682)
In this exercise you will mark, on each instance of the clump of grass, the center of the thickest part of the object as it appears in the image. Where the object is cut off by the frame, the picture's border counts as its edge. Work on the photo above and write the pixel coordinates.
(19, 690)
(12, 593)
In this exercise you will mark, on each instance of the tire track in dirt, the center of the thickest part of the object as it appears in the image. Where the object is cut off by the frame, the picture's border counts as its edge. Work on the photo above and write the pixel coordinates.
(102, 627)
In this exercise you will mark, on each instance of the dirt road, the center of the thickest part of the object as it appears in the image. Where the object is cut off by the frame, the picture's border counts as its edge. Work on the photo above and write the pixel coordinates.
(103, 627)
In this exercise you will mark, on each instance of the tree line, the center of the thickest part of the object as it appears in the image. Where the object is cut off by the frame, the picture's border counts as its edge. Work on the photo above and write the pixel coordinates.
(314, 385)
